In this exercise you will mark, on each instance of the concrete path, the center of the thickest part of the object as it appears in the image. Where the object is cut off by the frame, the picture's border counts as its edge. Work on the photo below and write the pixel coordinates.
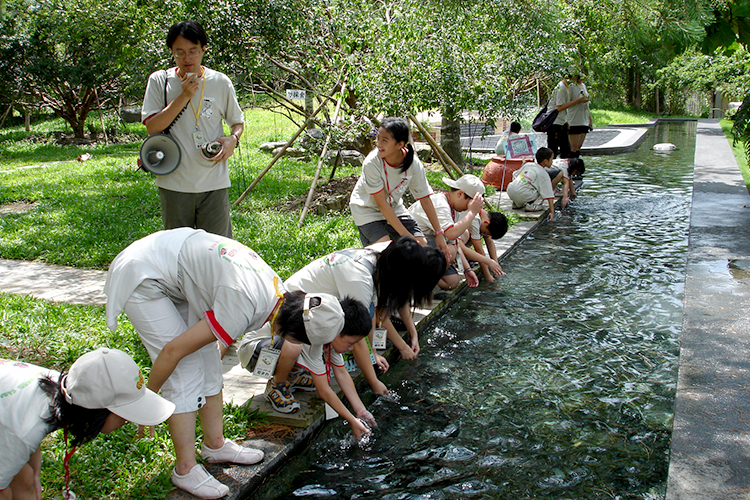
(710, 456)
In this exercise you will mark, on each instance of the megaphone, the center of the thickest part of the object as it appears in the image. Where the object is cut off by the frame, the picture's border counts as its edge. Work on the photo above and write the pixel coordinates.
(160, 154)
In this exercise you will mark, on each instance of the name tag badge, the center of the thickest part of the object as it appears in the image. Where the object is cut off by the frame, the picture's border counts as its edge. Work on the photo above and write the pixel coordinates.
(330, 412)
(378, 338)
(198, 139)
(266, 365)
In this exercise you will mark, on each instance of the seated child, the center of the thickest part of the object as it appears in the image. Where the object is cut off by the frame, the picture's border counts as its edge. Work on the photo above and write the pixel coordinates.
(388, 171)
(515, 131)
(564, 170)
(531, 186)
(466, 197)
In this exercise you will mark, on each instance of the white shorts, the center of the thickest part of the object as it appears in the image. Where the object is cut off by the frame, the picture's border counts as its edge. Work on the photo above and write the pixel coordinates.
(158, 320)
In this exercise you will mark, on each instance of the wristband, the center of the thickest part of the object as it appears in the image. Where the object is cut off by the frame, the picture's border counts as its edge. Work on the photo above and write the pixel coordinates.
(238, 139)
(439, 232)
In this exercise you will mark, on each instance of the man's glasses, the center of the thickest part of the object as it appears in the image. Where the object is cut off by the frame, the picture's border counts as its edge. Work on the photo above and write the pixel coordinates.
(179, 54)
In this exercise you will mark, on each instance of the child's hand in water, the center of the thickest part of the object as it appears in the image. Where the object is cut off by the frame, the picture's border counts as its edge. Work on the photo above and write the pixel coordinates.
(406, 352)
(359, 429)
(381, 362)
(367, 418)
(415, 344)
(471, 278)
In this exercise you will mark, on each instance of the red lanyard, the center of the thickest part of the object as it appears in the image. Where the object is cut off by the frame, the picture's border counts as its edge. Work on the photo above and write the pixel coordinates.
(387, 184)
(453, 212)
(327, 356)
(66, 491)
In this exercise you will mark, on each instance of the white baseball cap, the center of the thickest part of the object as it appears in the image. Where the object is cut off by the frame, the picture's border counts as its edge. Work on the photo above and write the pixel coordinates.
(109, 378)
(469, 184)
(323, 318)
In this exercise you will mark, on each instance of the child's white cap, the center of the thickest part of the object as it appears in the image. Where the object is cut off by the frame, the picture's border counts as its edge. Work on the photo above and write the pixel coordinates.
(469, 184)
(109, 378)
(323, 317)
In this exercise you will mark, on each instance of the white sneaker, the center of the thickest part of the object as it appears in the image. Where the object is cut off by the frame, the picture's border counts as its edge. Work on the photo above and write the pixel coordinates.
(200, 483)
(536, 206)
(233, 453)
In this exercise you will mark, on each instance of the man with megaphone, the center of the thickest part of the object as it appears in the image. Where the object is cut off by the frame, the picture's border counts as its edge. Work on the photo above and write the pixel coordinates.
(188, 102)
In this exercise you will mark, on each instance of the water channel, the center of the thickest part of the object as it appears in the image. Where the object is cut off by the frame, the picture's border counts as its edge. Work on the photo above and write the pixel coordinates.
(558, 380)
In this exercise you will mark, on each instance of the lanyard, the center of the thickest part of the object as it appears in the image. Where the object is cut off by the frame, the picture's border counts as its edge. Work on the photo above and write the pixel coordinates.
(327, 357)
(277, 307)
(68, 454)
(203, 88)
(453, 212)
(387, 184)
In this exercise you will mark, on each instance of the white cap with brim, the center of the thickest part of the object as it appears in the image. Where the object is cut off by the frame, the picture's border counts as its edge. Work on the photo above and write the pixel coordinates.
(109, 378)
(324, 318)
(469, 184)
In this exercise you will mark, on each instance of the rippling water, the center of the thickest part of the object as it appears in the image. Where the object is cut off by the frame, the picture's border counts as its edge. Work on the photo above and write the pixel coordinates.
(558, 380)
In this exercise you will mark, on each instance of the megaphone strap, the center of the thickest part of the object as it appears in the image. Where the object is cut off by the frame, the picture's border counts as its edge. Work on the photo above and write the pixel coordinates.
(166, 130)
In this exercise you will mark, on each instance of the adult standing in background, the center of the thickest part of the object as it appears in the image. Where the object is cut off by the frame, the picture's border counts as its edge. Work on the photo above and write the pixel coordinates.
(191, 101)
(579, 116)
(557, 135)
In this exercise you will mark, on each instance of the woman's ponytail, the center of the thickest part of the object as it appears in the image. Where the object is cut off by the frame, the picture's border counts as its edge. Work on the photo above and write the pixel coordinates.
(408, 158)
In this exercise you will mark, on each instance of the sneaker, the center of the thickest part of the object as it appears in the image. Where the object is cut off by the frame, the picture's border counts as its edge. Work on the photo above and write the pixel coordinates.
(233, 453)
(535, 206)
(280, 397)
(301, 379)
(200, 483)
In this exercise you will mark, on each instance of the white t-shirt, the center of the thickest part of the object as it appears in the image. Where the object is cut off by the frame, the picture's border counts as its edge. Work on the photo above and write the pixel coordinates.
(378, 175)
(344, 273)
(219, 101)
(562, 164)
(222, 280)
(445, 214)
(529, 183)
(580, 114)
(23, 408)
(560, 96)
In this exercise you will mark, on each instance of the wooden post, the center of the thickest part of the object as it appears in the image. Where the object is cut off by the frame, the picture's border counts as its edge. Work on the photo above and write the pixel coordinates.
(2, 120)
(101, 118)
(443, 157)
(281, 151)
(320, 161)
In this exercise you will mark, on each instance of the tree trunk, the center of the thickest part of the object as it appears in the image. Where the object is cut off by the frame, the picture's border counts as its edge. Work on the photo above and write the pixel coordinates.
(450, 140)
(27, 119)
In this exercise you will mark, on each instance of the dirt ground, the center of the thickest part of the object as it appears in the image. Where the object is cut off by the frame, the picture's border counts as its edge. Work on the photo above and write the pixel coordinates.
(333, 195)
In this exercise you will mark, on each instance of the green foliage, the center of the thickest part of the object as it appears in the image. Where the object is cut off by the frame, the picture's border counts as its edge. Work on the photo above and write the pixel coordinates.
(728, 26)
(702, 74)
(739, 150)
(62, 55)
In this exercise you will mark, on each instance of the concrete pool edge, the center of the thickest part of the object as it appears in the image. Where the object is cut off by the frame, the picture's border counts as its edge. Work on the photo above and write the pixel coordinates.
(710, 448)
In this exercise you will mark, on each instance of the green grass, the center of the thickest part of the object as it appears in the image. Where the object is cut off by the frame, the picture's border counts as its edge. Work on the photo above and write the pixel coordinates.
(738, 149)
(602, 117)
